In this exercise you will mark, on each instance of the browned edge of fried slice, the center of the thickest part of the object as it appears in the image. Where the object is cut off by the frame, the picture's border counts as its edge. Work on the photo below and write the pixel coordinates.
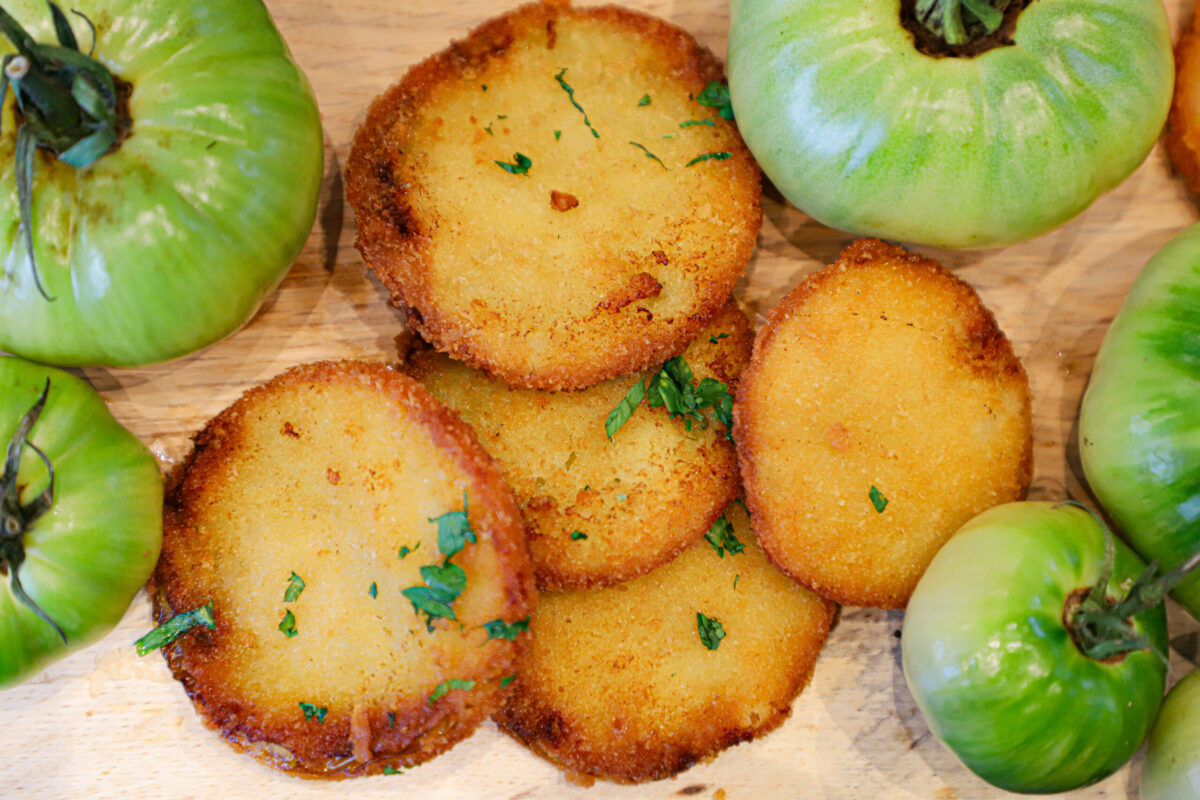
(394, 245)
(993, 356)
(405, 736)
(1182, 133)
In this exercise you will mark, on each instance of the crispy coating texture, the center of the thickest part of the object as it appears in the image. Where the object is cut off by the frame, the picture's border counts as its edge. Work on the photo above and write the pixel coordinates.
(328, 471)
(884, 371)
(1182, 135)
(600, 260)
(617, 683)
(640, 498)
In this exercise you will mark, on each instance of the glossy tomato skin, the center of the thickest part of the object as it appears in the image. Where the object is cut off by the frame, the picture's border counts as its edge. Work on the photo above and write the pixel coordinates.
(1172, 768)
(1139, 425)
(172, 241)
(996, 674)
(867, 135)
(87, 557)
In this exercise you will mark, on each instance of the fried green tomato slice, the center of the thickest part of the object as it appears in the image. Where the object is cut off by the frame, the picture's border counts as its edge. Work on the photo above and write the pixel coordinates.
(640, 681)
(598, 510)
(322, 514)
(552, 200)
(881, 410)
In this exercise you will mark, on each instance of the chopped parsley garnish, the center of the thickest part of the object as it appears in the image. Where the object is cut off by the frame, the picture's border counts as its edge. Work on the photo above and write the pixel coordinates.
(571, 94)
(878, 500)
(445, 582)
(689, 123)
(643, 148)
(577, 535)
(388, 769)
(454, 530)
(288, 625)
(717, 338)
(735, 580)
(645, 101)
(522, 165)
(672, 387)
(405, 550)
(716, 95)
(721, 536)
(175, 627)
(624, 410)
(312, 712)
(444, 688)
(719, 156)
(483, 86)
(504, 682)
(710, 629)
(742, 503)
(621, 498)
(391, 719)
(557, 135)
(489, 130)
(373, 591)
(294, 588)
(499, 629)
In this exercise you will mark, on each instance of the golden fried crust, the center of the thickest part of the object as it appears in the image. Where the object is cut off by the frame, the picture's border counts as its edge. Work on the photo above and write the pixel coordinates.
(618, 684)
(640, 498)
(610, 253)
(882, 371)
(328, 471)
(1182, 137)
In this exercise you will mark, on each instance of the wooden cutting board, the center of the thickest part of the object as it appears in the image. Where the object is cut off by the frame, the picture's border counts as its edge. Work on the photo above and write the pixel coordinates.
(104, 723)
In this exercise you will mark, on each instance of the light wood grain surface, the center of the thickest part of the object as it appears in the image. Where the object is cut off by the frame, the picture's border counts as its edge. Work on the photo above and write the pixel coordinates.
(104, 723)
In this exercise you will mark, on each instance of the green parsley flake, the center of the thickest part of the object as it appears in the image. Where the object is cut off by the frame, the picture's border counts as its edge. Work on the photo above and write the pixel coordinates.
(710, 630)
(624, 410)
(391, 719)
(444, 688)
(489, 129)
(504, 682)
(175, 627)
(716, 95)
(645, 101)
(878, 500)
(622, 498)
(294, 588)
(571, 94)
(721, 536)
(445, 582)
(719, 156)
(312, 712)
(557, 135)
(288, 625)
(373, 591)
(577, 535)
(643, 148)
(715, 339)
(671, 386)
(735, 580)
(689, 123)
(388, 769)
(499, 629)
(483, 86)
(406, 550)
(522, 165)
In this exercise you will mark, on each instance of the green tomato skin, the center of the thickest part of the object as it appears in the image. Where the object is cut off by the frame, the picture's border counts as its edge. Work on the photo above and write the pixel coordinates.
(864, 133)
(1172, 768)
(172, 241)
(89, 555)
(1139, 430)
(995, 672)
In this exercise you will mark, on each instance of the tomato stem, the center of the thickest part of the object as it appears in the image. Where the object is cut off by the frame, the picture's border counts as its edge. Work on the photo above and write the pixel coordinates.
(67, 103)
(17, 519)
(1100, 624)
(960, 28)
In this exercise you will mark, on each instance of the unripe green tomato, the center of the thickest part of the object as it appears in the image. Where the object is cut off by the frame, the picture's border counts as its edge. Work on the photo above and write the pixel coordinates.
(1172, 768)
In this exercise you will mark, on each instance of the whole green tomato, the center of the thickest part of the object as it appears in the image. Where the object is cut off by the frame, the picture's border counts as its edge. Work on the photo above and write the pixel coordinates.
(865, 133)
(163, 187)
(1139, 425)
(1172, 768)
(992, 650)
(80, 516)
